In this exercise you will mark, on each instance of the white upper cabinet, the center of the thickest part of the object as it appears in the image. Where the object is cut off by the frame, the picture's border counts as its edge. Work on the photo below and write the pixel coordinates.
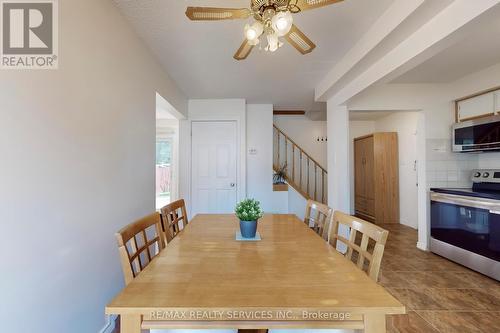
(482, 105)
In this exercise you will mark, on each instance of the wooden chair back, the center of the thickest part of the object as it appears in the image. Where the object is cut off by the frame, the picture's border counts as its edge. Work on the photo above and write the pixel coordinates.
(139, 243)
(171, 216)
(366, 242)
(318, 217)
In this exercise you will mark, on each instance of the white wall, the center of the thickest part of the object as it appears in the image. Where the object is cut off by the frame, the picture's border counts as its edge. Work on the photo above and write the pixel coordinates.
(296, 203)
(405, 124)
(256, 133)
(305, 133)
(260, 159)
(78, 154)
(212, 110)
(339, 188)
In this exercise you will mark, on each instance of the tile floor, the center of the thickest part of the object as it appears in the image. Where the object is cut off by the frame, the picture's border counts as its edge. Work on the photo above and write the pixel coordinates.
(440, 296)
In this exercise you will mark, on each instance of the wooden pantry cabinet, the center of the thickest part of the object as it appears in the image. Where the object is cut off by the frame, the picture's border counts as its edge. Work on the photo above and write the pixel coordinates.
(376, 177)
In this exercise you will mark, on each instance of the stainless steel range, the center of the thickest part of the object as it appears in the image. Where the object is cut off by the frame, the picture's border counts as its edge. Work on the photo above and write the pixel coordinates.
(465, 223)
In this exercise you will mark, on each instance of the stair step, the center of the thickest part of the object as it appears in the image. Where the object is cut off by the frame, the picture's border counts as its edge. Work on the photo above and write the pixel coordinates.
(280, 187)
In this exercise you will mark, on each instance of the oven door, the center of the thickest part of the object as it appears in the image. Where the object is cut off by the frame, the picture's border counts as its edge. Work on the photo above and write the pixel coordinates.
(472, 224)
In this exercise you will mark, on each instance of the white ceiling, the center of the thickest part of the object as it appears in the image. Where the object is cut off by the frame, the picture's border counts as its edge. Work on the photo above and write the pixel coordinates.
(478, 50)
(199, 55)
(368, 115)
(165, 110)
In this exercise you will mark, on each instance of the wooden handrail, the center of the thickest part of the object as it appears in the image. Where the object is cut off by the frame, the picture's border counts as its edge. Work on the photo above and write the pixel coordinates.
(302, 150)
(303, 186)
(295, 186)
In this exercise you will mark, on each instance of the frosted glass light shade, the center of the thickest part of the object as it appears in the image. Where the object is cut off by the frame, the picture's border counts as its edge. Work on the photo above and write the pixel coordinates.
(272, 42)
(282, 23)
(253, 32)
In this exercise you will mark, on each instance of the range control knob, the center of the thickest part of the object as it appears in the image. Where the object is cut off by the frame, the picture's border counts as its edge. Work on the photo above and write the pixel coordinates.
(477, 174)
(486, 175)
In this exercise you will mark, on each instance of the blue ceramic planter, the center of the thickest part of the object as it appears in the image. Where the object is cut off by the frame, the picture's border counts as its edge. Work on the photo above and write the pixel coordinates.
(248, 228)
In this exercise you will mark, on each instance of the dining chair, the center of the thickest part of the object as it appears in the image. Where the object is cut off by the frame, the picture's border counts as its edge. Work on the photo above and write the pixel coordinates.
(366, 242)
(171, 217)
(318, 217)
(139, 243)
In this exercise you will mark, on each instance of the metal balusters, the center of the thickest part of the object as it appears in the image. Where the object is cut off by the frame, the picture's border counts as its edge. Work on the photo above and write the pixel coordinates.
(308, 160)
(275, 146)
(286, 151)
(322, 186)
(279, 148)
(300, 168)
(315, 180)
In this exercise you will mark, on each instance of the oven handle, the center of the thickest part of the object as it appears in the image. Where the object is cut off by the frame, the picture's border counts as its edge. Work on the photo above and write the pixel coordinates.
(490, 205)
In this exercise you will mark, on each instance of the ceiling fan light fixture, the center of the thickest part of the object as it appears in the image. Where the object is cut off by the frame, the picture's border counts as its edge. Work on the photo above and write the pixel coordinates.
(253, 32)
(273, 20)
(282, 23)
(273, 42)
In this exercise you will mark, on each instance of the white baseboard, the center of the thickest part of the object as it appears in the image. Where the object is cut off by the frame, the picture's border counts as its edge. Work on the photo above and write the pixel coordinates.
(422, 246)
(110, 324)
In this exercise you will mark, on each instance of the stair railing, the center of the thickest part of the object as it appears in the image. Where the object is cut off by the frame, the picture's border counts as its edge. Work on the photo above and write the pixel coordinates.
(303, 172)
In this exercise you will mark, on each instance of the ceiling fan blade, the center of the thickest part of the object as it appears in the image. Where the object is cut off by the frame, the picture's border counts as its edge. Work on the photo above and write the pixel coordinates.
(215, 14)
(300, 41)
(311, 4)
(243, 51)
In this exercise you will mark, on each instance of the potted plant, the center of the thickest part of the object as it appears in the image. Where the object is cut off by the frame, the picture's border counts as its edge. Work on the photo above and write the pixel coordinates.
(280, 175)
(249, 212)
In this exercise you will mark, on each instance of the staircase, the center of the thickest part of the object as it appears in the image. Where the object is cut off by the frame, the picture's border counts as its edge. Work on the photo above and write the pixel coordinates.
(303, 173)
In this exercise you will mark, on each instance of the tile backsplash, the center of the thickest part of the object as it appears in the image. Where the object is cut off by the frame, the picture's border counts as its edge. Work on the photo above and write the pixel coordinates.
(489, 160)
(448, 169)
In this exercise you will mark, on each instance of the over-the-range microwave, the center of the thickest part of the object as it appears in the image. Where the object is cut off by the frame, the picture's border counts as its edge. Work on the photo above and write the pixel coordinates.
(477, 135)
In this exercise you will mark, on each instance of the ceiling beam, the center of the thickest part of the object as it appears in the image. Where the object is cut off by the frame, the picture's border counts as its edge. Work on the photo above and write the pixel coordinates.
(425, 42)
(289, 113)
(388, 22)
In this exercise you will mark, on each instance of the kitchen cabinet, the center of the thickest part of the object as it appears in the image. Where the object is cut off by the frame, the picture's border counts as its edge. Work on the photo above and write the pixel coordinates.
(376, 177)
(476, 107)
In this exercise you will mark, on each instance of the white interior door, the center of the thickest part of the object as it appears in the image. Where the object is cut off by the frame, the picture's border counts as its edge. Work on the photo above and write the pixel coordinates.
(214, 167)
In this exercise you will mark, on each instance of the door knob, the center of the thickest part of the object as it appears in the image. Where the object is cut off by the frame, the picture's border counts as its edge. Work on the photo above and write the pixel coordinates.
(232, 184)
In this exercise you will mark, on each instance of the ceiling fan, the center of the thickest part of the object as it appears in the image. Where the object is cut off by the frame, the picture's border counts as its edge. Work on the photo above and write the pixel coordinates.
(272, 19)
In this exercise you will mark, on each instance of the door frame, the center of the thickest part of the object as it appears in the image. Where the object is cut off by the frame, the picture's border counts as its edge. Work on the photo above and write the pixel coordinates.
(173, 138)
(186, 169)
(237, 153)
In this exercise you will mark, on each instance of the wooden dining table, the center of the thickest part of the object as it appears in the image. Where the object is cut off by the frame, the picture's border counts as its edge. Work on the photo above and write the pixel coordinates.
(291, 278)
